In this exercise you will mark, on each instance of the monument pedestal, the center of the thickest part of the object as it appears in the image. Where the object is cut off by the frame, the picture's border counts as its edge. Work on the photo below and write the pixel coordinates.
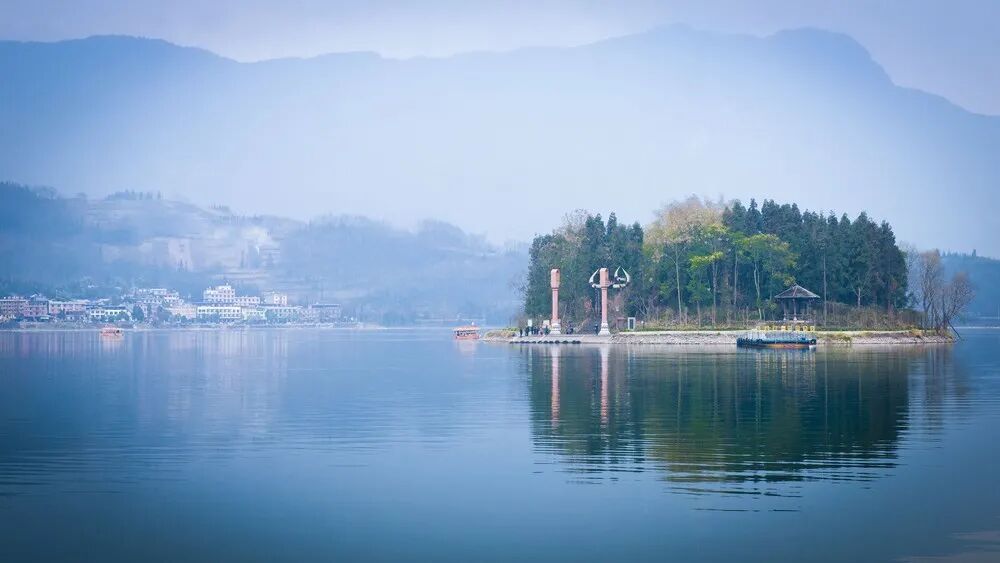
(555, 329)
(605, 330)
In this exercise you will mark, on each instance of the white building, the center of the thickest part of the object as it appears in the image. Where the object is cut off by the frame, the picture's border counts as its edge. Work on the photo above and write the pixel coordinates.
(275, 298)
(183, 310)
(282, 313)
(254, 314)
(220, 294)
(156, 296)
(250, 301)
(108, 314)
(220, 312)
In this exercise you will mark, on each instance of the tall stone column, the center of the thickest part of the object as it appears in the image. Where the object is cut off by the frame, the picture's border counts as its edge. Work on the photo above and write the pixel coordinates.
(604, 284)
(554, 327)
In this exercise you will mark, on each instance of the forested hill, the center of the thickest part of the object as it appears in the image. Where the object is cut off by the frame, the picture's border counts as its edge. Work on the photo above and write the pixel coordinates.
(81, 247)
(701, 262)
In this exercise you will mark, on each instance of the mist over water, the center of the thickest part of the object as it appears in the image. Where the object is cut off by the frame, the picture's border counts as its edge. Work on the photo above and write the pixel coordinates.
(312, 444)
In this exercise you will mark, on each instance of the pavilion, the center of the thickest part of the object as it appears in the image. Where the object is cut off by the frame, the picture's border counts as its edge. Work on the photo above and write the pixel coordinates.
(797, 299)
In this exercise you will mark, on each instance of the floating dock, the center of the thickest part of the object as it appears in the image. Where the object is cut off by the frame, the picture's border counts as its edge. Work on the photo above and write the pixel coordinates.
(776, 339)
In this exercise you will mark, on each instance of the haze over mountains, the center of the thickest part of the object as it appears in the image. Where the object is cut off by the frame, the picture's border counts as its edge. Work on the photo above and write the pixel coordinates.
(84, 247)
(504, 144)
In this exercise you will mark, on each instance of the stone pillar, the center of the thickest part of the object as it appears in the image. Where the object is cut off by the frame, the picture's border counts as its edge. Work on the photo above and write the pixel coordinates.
(554, 327)
(604, 284)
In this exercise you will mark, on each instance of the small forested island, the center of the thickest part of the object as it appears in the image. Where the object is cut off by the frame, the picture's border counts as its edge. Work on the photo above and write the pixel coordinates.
(719, 265)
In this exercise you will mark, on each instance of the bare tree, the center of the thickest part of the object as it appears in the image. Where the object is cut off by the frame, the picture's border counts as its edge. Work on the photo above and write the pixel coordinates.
(941, 301)
(956, 297)
(930, 286)
(912, 257)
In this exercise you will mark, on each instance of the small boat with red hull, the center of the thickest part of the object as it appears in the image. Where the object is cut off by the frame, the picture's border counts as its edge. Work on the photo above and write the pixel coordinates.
(469, 332)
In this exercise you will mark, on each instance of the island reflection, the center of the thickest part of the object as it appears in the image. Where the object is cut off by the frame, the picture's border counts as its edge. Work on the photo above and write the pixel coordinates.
(745, 422)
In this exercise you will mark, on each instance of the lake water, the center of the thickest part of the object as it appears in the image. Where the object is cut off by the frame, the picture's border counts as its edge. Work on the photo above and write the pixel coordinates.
(300, 445)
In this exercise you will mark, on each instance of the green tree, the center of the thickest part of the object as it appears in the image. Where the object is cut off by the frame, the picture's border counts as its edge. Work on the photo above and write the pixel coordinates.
(672, 232)
(699, 285)
(771, 258)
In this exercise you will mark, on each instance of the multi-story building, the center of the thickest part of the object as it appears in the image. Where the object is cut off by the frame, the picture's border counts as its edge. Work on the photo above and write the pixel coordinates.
(155, 296)
(275, 298)
(309, 315)
(108, 314)
(225, 313)
(11, 306)
(253, 314)
(183, 310)
(282, 313)
(250, 301)
(72, 308)
(219, 294)
(35, 308)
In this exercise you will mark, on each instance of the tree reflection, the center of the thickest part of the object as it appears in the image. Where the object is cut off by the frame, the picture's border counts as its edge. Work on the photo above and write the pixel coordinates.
(728, 418)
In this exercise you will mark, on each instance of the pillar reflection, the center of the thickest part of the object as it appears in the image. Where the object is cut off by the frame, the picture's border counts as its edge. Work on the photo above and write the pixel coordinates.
(747, 418)
(554, 407)
(605, 352)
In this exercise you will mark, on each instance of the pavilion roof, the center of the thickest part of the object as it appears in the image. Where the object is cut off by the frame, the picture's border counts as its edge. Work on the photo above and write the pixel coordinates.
(796, 292)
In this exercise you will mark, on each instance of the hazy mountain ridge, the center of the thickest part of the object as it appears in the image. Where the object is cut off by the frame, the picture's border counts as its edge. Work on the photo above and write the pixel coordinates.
(505, 142)
(48, 242)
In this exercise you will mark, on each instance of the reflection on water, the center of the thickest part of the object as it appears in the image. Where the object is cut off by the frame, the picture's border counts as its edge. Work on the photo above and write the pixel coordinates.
(319, 445)
(90, 413)
(733, 421)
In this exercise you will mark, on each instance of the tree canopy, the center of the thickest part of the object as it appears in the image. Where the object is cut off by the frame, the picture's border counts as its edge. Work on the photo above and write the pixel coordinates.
(704, 261)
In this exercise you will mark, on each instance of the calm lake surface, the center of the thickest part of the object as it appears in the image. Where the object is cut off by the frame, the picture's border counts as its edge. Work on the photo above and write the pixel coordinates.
(299, 445)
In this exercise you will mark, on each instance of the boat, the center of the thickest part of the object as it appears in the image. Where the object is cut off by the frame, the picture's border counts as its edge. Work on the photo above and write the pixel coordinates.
(111, 331)
(470, 332)
(776, 339)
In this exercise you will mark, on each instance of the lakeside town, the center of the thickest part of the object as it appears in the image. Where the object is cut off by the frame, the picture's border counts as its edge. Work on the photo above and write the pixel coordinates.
(159, 306)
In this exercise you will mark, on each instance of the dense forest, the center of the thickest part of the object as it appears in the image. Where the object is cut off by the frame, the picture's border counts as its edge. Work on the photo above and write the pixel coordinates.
(703, 262)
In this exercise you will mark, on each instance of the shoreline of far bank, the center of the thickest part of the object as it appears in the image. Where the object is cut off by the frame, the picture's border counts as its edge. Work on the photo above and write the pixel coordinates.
(47, 327)
(728, 337)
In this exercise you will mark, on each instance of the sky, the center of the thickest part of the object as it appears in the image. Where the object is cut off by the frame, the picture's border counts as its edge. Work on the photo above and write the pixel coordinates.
(946, 48)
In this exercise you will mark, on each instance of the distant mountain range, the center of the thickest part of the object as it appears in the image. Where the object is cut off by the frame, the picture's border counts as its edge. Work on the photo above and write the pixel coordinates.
(505, 143)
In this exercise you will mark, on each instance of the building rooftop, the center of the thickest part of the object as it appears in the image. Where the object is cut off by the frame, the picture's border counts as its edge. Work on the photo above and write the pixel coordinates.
(796, 292)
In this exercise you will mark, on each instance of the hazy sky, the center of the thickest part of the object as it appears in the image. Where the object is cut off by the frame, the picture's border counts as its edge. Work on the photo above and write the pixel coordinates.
(950, 48)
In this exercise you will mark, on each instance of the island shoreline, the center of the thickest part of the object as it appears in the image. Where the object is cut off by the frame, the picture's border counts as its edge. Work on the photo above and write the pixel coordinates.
(728, 337)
